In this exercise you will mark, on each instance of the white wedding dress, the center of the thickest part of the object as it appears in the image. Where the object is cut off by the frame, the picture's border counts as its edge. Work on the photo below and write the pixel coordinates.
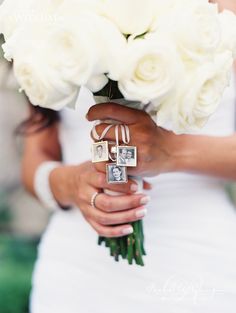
(190, 233)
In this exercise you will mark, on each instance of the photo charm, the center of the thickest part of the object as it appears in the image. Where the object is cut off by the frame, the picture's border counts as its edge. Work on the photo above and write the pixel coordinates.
(127, 156)
(116, 174)
(100, 151)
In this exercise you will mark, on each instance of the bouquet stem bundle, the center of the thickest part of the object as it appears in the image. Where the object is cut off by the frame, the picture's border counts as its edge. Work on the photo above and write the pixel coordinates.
(130, 247)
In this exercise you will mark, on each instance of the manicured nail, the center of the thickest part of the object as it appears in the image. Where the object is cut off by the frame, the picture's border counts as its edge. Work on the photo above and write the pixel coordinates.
(145, 200)
(141, 213)
(127, 230)
(134, 187)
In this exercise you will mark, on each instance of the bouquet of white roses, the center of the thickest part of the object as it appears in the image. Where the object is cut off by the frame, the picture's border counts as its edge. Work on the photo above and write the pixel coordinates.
(174, 55)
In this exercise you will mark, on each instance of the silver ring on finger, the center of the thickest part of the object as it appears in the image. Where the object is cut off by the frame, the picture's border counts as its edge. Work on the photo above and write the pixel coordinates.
(93, 199)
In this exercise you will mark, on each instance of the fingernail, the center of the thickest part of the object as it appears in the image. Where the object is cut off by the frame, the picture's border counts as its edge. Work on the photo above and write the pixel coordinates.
(141, 213)
(87, 116)
(145, 200)
(134, 187)
(127, 230)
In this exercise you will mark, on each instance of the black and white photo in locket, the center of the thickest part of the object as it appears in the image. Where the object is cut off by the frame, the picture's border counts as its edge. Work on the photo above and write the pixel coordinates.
(100, 152)
(127, 156)
(116, 174)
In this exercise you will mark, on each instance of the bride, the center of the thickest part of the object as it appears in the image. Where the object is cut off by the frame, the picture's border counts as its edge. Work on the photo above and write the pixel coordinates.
(189, 221)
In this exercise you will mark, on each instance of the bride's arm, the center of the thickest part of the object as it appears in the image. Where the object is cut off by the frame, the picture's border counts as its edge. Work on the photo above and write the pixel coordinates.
(39, 146)
(214, 156)
(161, 151)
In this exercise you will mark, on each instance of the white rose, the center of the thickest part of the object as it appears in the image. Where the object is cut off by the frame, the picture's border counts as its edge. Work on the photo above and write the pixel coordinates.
(85, 49)
(131, 16)
(83, 53)
(42, 84)
(75, 57)
(228, 31)
(167, 11)
(148, 69)
(29, 37)
(34, 70)
(71, 8)
(196, 97)
(196, 30)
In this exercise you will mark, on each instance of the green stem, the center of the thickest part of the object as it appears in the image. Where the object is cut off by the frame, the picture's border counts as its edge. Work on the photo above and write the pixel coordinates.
(101, 240)
(142, 238)
(123, 247)
(130, 256)
(137, 243)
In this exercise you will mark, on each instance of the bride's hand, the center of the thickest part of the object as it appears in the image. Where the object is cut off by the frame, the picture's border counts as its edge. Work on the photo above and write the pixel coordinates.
(77, 184)
(158, 150)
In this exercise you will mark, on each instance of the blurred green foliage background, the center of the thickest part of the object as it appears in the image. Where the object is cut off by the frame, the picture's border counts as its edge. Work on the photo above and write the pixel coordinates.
(17, 257)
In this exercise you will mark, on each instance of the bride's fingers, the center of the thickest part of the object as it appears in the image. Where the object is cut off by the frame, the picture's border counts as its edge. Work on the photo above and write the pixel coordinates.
(112, 211)
(111, 231)
(99, 180)
(114, 111)
(110, 204)
(117, 218)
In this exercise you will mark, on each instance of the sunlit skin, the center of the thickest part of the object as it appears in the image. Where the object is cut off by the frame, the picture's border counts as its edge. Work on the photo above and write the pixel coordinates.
(159, 151)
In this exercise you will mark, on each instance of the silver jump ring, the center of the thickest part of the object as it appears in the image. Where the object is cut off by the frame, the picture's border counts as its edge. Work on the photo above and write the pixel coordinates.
(93, 199)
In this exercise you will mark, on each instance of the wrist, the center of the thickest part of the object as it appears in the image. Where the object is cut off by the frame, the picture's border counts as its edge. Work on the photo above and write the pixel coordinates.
(193, 151)
(209, 155)
(181, 151)
(61, 181)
